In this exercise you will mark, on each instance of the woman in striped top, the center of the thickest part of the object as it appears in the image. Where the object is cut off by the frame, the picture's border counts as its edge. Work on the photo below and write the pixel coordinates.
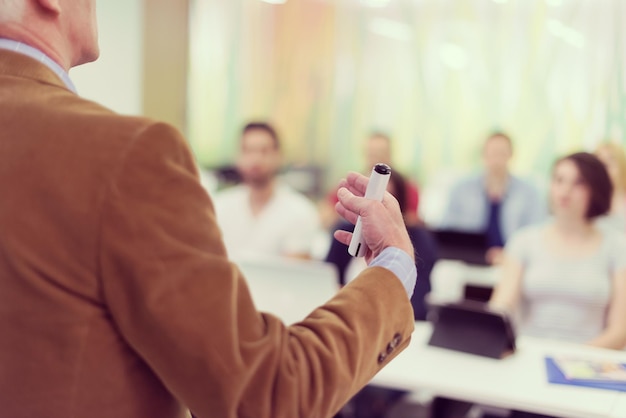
(566, 279)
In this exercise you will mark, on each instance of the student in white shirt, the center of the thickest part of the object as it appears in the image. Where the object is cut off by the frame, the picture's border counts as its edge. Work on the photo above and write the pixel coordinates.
(262, 216)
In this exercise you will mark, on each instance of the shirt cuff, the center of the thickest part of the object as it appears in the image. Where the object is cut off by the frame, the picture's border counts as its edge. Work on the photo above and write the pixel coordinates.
(400, 264)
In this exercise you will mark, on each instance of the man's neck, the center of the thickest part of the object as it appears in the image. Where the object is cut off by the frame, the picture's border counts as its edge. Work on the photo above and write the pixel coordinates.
(36, 40)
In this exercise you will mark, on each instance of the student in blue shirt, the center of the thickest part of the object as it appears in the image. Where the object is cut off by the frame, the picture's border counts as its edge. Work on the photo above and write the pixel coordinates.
(494, 202)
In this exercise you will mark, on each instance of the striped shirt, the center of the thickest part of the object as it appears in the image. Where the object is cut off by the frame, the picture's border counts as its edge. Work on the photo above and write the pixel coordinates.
(400, 264)
(565, 298)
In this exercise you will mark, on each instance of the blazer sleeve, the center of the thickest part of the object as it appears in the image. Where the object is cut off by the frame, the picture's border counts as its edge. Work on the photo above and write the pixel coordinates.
(187, 311)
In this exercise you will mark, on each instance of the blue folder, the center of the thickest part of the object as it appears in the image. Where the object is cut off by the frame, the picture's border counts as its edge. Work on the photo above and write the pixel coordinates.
(556, 376)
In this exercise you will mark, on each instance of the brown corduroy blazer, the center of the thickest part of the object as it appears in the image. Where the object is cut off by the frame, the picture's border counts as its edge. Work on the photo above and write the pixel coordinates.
(117, 298)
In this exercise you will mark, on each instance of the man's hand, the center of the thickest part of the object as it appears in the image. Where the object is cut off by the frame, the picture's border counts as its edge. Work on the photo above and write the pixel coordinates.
(381, 222)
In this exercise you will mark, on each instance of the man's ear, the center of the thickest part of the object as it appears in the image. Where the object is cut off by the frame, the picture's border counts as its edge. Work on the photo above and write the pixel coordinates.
(51, 6)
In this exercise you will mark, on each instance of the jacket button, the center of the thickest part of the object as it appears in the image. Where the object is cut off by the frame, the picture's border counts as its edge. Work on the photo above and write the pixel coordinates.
(396, 341)
(382, 357)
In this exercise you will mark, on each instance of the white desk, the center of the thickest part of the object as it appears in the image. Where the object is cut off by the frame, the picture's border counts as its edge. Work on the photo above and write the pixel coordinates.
(517, 382)
(292, 289)
(619, 409)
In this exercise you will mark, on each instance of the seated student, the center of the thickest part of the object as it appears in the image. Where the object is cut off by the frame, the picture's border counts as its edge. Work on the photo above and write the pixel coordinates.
(493, 202)
(377, 150)
(614, 158)
(567, 278)
(263, 216)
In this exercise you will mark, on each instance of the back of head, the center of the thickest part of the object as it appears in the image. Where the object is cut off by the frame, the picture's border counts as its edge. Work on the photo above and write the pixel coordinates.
(12, 10)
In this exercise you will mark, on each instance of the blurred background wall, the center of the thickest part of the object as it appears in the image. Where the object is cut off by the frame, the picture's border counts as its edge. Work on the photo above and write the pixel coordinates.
(438, 75)
(143, 64)
(116, 79)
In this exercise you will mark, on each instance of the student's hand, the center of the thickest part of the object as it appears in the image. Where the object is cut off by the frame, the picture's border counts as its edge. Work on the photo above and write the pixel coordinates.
(381, 222)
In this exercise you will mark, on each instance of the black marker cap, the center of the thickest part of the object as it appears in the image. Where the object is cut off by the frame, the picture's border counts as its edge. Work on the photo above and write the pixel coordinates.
(383, 169)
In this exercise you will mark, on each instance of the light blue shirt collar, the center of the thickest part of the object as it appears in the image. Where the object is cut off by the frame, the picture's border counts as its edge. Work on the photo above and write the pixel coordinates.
(39, 56)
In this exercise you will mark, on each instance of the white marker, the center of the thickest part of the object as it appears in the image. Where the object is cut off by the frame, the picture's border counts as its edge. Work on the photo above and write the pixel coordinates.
(375, 191)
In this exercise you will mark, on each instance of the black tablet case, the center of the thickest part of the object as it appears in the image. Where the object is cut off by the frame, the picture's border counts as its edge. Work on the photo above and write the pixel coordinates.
(468, 247)
(472, 328)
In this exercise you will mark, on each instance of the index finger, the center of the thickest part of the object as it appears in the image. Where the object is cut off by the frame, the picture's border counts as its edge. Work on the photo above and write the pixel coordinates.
(357, 183)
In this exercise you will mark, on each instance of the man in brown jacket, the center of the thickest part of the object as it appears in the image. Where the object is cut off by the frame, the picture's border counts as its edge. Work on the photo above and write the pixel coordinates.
(117, 298)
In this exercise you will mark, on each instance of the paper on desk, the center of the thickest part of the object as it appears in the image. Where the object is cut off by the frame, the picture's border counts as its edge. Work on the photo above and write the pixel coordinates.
(583, 369)
(586, 373)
